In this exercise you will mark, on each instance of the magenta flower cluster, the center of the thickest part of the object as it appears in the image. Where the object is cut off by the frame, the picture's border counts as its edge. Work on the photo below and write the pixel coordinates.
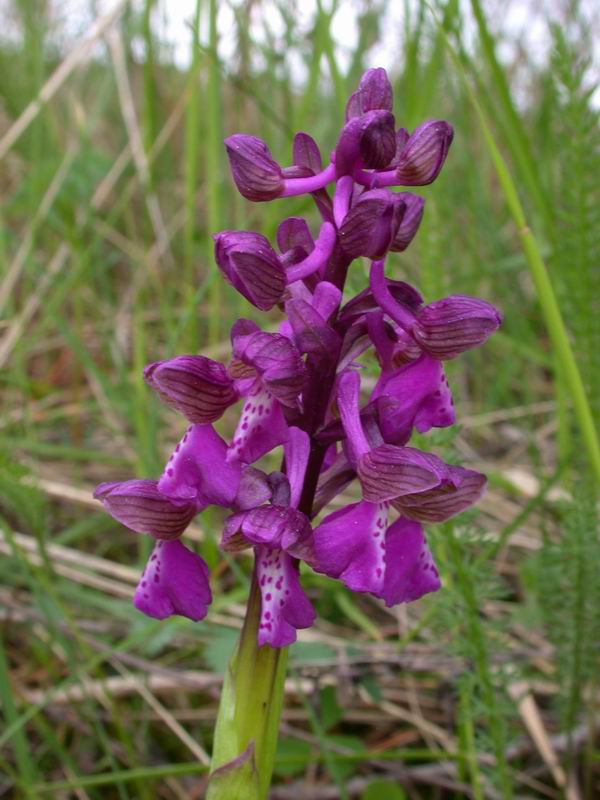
(300, 388)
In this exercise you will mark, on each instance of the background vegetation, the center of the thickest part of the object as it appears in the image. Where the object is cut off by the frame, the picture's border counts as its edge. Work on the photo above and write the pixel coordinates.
(113, 177)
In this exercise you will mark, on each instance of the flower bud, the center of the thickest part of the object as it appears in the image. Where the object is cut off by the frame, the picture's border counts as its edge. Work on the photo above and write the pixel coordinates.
(251, 265)
(196, 386)
(374, 93)
(140, 506)
(256, 174)
(448, 327)
(410, 222)
(423, 155)
(371, 225)
(368, 141)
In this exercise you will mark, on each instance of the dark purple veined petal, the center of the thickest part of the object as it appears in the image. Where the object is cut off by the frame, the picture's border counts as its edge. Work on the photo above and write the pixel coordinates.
(423, 155)
(388, 472)
(372, 224)
(196, 386)
(250, 264)
(256, 174)
(410, 569)
(284, 606)
(448, 327)
(461, 490)
(174, 582)
(141, 507)
(409, 225)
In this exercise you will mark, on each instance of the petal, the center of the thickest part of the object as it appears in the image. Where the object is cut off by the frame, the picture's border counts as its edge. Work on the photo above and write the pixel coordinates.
(312, 333)
(283, 528)
(375, 91)
(411, 220)
(254, 489)
(350, 545)
(448, 327)
(297, 451)
(261, 428)
(197, 387)
(294, 232)
(462, 489)
(285, 607)
(140, 506)
(174, 581)
(372, 223)
(369, 140)
(327, 298)
(410, 570)
(277, 362)
(332, 482)
(387, 472)
(199, 470)
(416, 395)
(306, 153)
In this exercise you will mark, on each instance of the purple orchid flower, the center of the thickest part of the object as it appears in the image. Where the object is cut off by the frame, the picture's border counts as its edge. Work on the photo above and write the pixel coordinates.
(300, 387)
(280, 535)
(443, 329)
(270, 374)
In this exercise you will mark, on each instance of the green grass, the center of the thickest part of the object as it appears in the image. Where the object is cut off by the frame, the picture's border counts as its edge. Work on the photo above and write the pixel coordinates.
(421, 699)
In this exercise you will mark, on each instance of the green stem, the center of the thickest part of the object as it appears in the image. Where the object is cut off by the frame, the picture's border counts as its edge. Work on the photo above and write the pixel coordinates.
(248, 721)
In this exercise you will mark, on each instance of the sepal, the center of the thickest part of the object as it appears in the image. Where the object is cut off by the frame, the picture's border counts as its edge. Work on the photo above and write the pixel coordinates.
(196, 386)
(251, 266)
(141, 507)
(422, 157)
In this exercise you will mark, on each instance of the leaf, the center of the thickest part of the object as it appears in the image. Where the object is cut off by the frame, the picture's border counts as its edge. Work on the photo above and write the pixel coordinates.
(383, 790)
(331, 713)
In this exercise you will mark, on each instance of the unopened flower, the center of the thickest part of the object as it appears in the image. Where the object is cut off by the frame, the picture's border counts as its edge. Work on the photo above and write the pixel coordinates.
(367, 141)
(256, 174)
(371, 226)
(424, 153)
(443, 329)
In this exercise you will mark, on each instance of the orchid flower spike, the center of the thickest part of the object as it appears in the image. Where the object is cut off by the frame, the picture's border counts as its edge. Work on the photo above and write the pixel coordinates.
(298, 390)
